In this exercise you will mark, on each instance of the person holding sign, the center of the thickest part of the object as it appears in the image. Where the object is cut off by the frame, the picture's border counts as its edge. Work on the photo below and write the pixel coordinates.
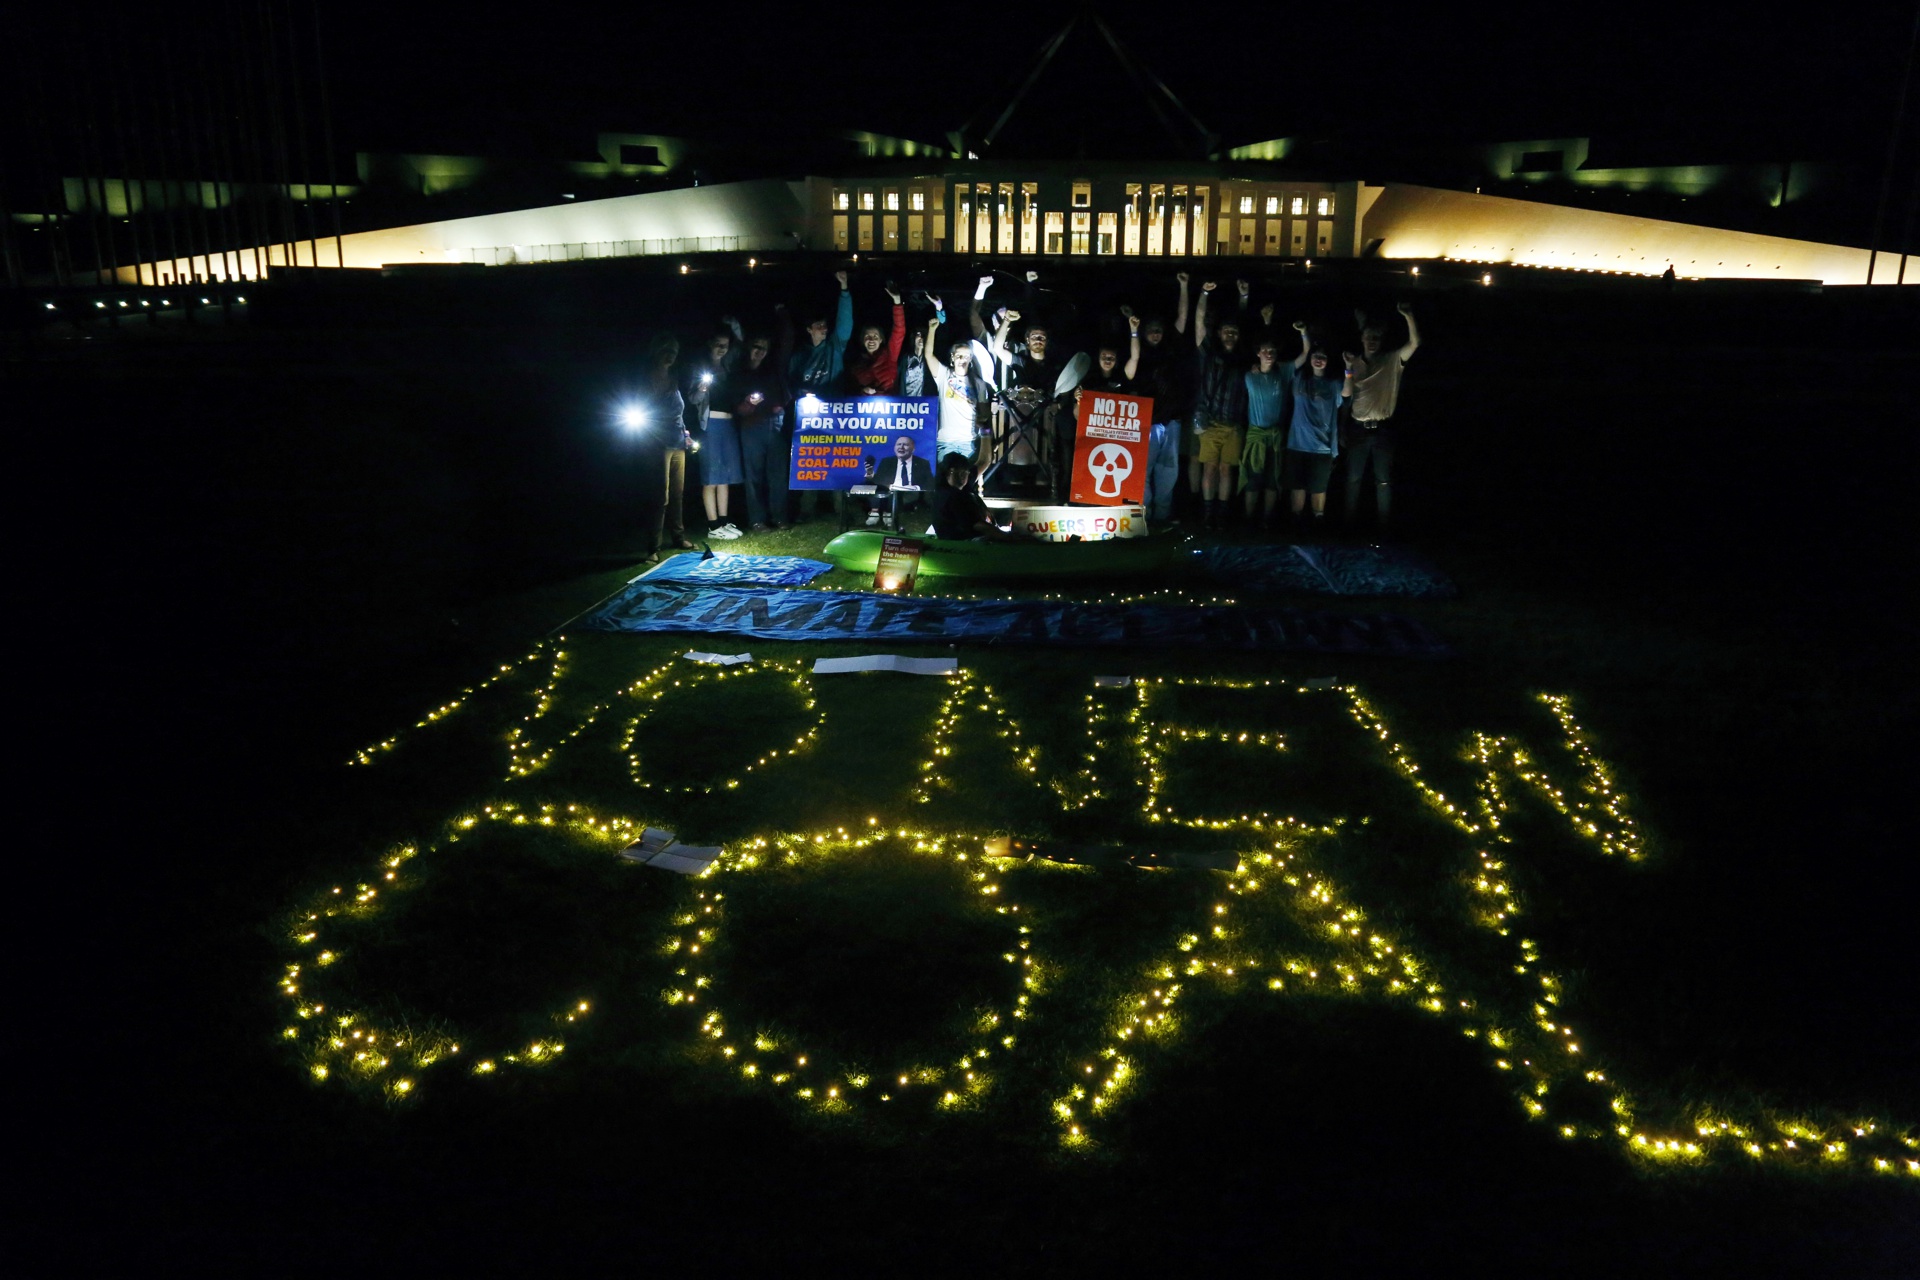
(1313, 435)
(964, 417)
(905, 483)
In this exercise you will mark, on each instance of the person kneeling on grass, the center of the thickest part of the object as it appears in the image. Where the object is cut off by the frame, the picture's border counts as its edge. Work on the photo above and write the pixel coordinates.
(958, 513)
(1313, 436)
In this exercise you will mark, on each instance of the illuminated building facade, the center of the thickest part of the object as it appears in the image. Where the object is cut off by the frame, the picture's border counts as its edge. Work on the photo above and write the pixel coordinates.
(1085, 211)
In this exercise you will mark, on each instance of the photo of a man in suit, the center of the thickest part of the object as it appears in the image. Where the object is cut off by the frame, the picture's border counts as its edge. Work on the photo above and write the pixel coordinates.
(904, 482)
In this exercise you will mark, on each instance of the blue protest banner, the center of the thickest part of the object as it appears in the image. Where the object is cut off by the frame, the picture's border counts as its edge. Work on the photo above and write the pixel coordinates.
(834, 439)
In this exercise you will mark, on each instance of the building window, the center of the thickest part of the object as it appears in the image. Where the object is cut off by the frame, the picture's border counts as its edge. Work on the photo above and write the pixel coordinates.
(866, 232)
(1246, 204)
(1177, 241)
(866, 200)
(1325, 240)
(940, 198)
(840, 232)
(1109, 232)
(892, 199)
(916, 233)
(1272, 247)
(1299, 209)
(963, 223)
(891, 230)
(1156, 219)
(1004, 210)
(1081, 226)
(1029, 217)
(1083, 195)
(983, 217)
(1056, 224)
(841, 200)
(1130, 233)
(1324, 206)
(1299, 239)
(916, 200)
(1246, 237)
(1273, 206)
(1200, 219)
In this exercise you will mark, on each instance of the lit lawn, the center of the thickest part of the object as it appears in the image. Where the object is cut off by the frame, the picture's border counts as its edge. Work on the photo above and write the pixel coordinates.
(1396, 993)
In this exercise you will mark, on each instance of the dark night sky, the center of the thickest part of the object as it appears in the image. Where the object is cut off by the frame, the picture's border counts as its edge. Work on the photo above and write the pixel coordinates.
(1824, 84)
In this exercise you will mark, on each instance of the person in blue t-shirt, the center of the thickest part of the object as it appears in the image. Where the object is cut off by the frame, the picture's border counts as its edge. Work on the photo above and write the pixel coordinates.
(1313, 434)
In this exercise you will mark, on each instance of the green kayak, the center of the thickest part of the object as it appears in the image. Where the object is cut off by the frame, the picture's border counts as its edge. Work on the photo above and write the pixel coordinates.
(1114, 557)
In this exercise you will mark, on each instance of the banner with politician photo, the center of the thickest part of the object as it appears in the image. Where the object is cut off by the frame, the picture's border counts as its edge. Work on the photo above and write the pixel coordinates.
(862, 440)
(1110, 456)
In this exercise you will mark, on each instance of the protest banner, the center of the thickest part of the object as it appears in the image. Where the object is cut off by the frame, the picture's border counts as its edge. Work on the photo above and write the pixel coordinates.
(1110, 458)
(1086, 524)
(833, 440)
(898, 564)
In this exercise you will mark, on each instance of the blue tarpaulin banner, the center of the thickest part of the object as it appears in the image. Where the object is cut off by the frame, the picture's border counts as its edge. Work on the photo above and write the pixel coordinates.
(737, 570)
(833, 439)
(1325, 570)
(772, 614)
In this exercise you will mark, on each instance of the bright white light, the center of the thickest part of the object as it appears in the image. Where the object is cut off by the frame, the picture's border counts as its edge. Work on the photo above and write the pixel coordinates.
(633, 417)
(206, 302)
(241, 298)
(1486, 277)
(810, 403)
(51, 307)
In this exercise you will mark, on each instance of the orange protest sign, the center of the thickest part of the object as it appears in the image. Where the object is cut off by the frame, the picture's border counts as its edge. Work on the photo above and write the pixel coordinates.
(1110, 453)
(898, 564)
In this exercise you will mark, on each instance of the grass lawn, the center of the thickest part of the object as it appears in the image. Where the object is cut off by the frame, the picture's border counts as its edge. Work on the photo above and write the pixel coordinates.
(1329, 1052)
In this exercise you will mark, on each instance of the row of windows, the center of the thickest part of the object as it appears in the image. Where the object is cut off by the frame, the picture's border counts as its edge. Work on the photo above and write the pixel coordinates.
(917, 198)
(1156, 219)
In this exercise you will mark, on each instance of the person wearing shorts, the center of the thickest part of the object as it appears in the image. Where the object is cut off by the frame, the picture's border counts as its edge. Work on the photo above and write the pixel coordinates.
(1220, 409)
(1313, 432)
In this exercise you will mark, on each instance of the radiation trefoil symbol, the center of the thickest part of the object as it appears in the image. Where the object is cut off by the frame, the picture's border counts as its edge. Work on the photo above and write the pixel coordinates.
(1110, 464)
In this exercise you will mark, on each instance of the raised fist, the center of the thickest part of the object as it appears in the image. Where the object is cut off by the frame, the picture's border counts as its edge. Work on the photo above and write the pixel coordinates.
(986, 282)
(1244, 286)
(1299, 326)
(1404, 308)
(841, 276)
(1350, 359)
(938, 305)
(1133, 323)
(1209, 287)
(1126, 311)
(1032, 276)
(1012, 315)
(1181, 276)
(1266, 314)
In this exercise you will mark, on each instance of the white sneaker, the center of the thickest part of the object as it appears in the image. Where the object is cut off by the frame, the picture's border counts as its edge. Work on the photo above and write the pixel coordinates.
(728, 530)
(873, 518)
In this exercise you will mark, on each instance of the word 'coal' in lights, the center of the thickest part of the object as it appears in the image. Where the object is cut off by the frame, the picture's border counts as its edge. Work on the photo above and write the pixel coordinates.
(1276, 888)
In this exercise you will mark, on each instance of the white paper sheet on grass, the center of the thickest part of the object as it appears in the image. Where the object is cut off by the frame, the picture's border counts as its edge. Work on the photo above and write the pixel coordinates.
(716, 659)
(888, 662)
(662, 849)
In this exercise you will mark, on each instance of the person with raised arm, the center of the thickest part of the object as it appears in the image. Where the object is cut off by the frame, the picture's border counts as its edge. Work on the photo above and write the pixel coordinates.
(1166, 375)
(1266, 434)
(1376, 395)
(1221, 405)
(815, 368)
(1313, 433)
(964, 424)
(874, 367)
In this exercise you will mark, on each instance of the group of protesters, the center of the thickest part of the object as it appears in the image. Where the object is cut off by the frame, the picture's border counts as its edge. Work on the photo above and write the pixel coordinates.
(1244, 408)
